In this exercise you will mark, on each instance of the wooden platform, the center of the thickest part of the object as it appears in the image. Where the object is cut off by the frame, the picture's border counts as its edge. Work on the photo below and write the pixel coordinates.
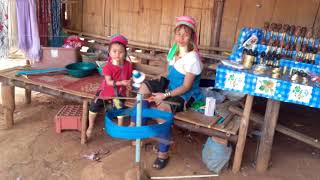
(80, 90)
(198, 122)
(201, 120)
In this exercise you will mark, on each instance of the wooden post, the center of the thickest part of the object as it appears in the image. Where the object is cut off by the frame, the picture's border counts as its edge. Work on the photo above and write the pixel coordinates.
(27, 96)
(84, 120)
(217, 22)
(8, 102)
(242, 134)
(270, 122)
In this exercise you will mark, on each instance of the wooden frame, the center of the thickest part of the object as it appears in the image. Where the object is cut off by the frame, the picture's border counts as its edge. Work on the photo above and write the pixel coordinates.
(10, 81)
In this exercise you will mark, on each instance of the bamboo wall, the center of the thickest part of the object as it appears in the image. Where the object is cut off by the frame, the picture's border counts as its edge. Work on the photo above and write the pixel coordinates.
(152, 21)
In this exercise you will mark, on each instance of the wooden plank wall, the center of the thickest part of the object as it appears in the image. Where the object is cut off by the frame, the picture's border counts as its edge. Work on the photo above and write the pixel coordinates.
(152, 21)
(144, 21)
(253, 13)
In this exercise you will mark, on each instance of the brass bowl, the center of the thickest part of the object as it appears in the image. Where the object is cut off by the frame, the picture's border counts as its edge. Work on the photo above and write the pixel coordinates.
(276, 73)
(260, 69)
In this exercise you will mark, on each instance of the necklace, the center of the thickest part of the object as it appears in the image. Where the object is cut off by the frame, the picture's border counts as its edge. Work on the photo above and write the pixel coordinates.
(117, 63)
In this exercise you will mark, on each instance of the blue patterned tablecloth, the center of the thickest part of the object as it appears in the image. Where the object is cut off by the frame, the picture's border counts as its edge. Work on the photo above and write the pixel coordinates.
(246, 82)
(300, 65)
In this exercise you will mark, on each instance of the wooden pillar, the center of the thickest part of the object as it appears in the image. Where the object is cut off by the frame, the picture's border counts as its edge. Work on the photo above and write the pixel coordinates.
(242, 134)
(270, 122)
(85, 112)
(217, 22)
(8, 102)
(27, 96)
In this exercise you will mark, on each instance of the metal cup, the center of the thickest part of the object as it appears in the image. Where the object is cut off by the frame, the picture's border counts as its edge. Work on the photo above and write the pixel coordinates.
(248, 61)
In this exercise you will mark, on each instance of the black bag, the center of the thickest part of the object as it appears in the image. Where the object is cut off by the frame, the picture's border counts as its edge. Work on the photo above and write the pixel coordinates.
(164, 83)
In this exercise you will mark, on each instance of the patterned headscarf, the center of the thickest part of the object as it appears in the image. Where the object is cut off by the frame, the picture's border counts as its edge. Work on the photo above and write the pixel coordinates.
(186, 20)
(119, 38)
(190, 22)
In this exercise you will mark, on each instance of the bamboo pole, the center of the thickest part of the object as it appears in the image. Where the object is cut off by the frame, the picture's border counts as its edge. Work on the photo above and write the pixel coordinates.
(8, 102)
(132, 98)
(242, 134)
(226, 121)
(270, 122)
(54, 91)
(186, 177)
(142, 44)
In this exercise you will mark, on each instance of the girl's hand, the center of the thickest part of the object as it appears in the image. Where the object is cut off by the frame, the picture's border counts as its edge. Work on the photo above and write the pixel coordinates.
(158, 97)
(126, 82)
(129, 88)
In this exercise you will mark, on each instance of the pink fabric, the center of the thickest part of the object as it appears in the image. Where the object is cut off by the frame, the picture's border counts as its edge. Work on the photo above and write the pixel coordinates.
(119, 38)
(117, 73)
(181, 19)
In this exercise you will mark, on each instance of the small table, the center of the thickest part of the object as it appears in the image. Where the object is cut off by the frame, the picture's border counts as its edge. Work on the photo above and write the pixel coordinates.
(275, 90)
(81, 90)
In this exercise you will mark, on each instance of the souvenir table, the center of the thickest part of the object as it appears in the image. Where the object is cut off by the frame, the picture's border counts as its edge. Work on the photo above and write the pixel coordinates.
(277, 89)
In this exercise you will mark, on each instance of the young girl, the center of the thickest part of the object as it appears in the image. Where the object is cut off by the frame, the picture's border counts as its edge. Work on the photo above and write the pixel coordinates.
(117, 73)
(182, 80)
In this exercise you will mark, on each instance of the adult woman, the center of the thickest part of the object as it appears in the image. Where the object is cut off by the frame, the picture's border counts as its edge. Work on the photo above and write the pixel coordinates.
(182, 82)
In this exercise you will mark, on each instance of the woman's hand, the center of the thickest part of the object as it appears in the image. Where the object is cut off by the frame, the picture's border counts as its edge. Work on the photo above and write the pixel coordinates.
(158, 97)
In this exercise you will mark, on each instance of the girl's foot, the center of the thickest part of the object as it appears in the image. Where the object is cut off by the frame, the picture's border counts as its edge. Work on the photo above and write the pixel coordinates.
(89, 132)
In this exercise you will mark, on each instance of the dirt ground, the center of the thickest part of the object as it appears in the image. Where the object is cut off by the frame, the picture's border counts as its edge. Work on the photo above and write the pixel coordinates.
(33, 150)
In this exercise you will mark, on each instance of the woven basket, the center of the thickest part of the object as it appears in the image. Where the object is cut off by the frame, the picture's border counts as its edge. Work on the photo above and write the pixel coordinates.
(89, 57)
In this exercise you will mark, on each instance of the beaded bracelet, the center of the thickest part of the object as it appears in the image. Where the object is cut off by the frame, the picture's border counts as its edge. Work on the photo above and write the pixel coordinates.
(167, 94)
